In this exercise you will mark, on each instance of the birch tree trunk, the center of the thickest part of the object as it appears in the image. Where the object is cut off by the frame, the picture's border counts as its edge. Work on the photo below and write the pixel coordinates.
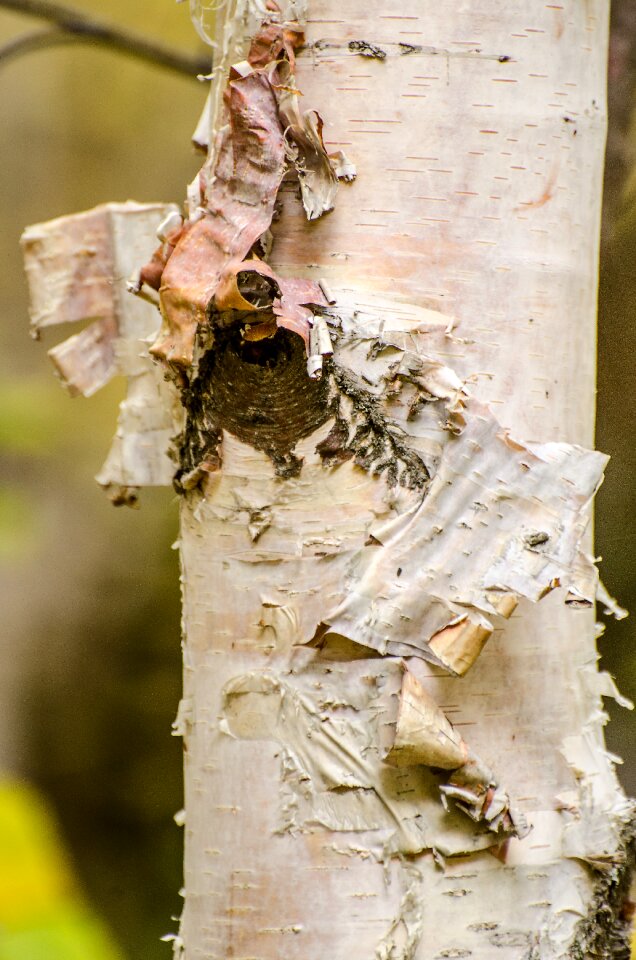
(350, 541)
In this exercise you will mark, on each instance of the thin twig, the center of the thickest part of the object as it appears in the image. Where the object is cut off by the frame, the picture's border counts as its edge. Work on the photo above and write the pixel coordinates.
(72, 24)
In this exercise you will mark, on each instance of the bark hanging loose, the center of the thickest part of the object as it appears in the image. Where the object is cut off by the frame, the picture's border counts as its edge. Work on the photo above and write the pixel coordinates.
(264, 133)
(77, 268)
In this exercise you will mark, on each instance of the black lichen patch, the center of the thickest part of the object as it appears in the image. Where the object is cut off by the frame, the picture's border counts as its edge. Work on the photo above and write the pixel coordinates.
(258, 391)
(366, 49)
(376, 445)
(606, 932)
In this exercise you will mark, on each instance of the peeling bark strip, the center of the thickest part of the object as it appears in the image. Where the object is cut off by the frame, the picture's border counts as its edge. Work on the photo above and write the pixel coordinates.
(77, 268)
(221, 244)
(356, 521)
(215, 286)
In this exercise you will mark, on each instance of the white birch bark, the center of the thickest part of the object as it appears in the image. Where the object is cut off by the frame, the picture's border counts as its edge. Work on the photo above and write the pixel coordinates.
(479, 157)
(461, 269)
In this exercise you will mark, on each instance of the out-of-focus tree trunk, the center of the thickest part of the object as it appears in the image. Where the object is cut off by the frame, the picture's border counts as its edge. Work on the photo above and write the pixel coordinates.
(367, 532)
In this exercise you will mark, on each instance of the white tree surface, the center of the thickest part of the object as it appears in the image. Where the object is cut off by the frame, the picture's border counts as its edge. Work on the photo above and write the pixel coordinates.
(383, 392)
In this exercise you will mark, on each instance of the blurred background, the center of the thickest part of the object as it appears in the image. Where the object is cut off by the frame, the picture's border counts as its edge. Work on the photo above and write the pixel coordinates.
(89, 640)
(89, 596)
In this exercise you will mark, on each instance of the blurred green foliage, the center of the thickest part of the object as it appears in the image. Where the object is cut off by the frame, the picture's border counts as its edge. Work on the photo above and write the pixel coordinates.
(615, 522)
(43, 915)
(16, 529)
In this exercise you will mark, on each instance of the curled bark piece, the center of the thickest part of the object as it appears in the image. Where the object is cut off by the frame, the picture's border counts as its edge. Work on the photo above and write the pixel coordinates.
(475, 790)
(152, 271)
(610, 605)
(249, 286)
(253, 287)
(86, 361)
(421, 734)
(320, 346)
(69, 267)
(316, 175)
(197, 271)
(458, 645)
(274, 42)
(343, 168)
(293, 308)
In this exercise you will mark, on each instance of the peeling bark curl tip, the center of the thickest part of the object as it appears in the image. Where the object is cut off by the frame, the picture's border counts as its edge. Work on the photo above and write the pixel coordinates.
(422, 732)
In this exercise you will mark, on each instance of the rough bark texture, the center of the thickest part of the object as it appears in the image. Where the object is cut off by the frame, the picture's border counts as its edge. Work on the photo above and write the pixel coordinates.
(357, 522)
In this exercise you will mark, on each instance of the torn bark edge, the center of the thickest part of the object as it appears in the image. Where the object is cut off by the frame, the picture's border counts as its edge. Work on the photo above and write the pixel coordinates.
(476, 792)
(458, 645)
(606, 931)
(422, 735)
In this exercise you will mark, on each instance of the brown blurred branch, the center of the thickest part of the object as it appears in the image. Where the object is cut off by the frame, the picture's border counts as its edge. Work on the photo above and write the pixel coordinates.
(72, 25)
(37, 40)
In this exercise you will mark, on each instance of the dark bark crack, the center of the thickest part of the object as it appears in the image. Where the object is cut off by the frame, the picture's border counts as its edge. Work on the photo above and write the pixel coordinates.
(366, 49)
